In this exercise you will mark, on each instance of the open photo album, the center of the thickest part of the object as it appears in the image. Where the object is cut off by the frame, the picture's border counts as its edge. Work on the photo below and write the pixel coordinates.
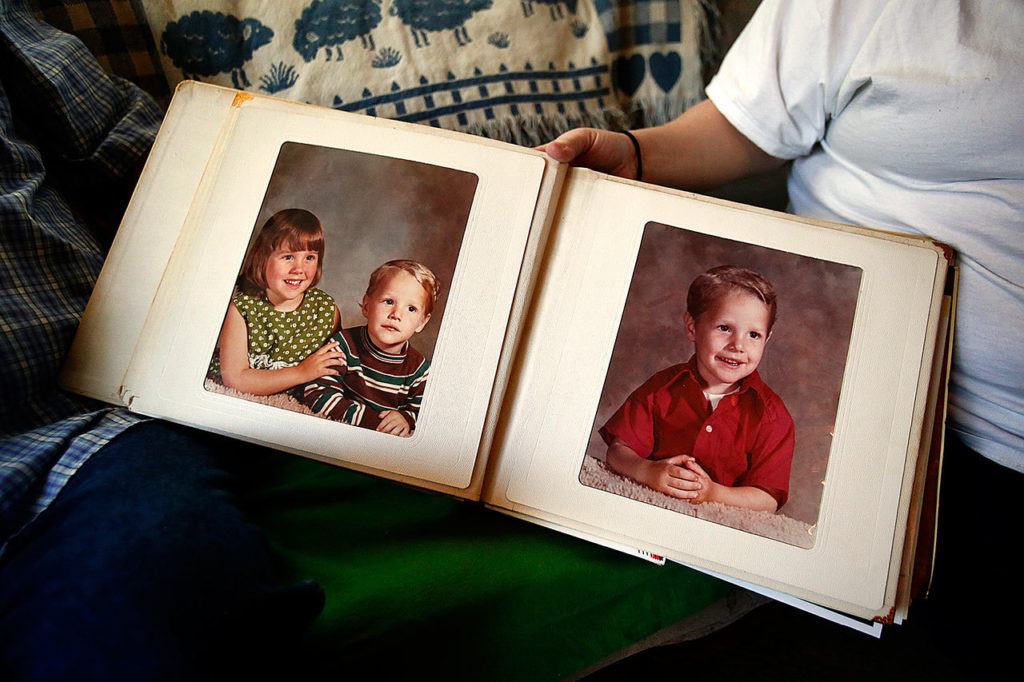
(753, 394)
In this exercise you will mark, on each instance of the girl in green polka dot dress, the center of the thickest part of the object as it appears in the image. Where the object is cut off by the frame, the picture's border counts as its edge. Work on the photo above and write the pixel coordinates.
(274, 332)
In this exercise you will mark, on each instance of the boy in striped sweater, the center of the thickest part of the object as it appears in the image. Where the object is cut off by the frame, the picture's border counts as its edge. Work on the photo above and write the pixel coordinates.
(382, 378)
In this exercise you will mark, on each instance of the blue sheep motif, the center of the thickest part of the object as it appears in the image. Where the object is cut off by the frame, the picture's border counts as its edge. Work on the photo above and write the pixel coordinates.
(554, 6)
(438, 15)
(330, 23)
(206, 43)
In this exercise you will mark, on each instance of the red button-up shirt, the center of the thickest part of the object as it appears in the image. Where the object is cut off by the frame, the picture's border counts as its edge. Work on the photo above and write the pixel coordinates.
(747, 441)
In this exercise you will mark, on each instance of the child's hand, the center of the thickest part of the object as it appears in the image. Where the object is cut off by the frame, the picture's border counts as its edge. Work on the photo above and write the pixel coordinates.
(327, 360)
(601, 150)
(746, 497)
(706, 490)
(394, 422)
(672, 477)
(669, 476)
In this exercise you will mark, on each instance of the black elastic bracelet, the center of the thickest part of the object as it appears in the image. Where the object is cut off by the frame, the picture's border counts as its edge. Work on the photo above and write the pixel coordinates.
(639, 156)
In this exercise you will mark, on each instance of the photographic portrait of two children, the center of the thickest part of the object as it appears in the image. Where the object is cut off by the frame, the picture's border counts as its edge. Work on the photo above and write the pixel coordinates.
(342, 290)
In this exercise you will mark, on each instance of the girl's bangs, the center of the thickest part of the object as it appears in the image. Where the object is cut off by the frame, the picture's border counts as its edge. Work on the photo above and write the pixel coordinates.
(302, 241)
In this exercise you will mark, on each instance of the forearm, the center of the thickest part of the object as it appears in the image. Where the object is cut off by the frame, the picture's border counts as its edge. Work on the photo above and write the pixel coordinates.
(747, 497)
(327, 398)
(699, 150)
(264, 381)
(410, 407)
(621, 459)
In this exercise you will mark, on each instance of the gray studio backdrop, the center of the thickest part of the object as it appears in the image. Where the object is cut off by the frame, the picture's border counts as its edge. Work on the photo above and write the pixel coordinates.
(803, 362)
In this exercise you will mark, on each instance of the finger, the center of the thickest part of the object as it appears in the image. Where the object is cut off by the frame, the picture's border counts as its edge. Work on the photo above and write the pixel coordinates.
(680, 494)
(696, 468)
(681, 473)
(570, 145)
(559, 151)
(680, 484)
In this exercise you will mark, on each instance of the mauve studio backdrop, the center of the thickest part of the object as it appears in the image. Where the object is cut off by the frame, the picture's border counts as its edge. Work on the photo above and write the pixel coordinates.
(803, 362)
(374, 209)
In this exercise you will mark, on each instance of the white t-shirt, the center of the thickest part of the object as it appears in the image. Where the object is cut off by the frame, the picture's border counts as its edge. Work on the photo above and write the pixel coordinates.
(715, 398)
(908, 115)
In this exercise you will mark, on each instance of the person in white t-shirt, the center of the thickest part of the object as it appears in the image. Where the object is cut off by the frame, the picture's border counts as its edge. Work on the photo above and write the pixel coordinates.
(905, 115)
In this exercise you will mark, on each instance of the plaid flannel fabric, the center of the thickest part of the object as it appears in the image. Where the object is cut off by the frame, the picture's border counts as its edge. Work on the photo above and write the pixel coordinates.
(115, 32)
(628, 23)
(63, 123)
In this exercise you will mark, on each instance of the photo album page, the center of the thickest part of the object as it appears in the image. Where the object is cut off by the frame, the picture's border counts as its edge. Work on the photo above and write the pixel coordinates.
(712, 384)
(342, 288)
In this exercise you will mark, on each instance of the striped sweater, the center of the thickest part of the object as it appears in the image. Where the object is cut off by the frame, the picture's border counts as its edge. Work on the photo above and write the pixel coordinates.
(373, 382)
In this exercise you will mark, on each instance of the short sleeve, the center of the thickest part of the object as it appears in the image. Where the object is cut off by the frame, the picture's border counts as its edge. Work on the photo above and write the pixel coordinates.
(772, 455)
(633, 423)
(785, 76)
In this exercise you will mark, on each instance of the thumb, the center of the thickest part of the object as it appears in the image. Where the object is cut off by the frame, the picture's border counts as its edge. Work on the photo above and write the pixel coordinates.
(694, 467)
(569, 145)
(678, 459)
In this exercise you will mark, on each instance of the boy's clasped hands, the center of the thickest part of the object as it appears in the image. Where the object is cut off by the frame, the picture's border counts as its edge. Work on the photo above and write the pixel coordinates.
(679, 476)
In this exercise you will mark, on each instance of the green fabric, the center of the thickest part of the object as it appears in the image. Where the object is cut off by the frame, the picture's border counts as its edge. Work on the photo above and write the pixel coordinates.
(279, 339)
(282, 339)
(420, 582)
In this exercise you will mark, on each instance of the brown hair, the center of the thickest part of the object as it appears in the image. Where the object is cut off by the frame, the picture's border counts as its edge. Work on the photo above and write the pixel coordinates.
(293, 228)
(427, 279)
(712, 286)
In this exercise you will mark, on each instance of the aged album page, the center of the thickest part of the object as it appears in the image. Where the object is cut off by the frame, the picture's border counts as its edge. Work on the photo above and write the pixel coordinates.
(382, 191)
(849, 356)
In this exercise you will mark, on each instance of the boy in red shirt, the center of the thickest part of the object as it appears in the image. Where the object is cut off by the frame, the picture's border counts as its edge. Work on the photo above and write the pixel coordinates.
(710, 430)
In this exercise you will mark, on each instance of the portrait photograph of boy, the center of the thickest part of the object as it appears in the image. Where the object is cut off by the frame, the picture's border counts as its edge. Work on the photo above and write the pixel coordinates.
(723, 386)
(340, 296)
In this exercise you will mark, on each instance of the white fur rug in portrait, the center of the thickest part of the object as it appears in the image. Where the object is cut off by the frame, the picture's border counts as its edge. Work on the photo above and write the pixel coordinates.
(776, 526)
(282, 400)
